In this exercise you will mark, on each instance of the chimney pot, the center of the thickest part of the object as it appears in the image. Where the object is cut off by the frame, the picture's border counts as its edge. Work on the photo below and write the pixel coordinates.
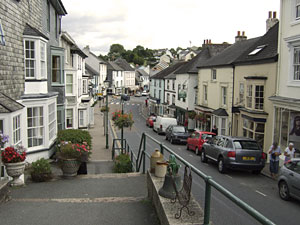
(209, 41)
(274, 14)
(243, 33)
(239, 33)
(204, 41)
(270, 14)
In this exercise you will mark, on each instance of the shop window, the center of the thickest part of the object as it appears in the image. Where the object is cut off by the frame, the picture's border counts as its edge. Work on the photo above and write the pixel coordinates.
(254, 130)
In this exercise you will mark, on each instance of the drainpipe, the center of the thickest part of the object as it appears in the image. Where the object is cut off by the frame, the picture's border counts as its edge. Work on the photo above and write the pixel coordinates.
(233, 73)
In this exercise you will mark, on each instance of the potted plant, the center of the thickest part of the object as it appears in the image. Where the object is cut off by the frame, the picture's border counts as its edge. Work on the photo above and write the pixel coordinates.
(71, 156)
(116, 114)
(124, 120)
(192, 115)
(41, 170)
(167, 189)
(14, 161)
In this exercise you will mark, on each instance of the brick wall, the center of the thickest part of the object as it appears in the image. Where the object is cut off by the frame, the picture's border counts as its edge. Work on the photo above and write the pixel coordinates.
(14, 15)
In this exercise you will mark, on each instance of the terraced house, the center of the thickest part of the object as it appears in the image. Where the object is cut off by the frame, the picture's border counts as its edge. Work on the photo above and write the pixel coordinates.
(31, 74)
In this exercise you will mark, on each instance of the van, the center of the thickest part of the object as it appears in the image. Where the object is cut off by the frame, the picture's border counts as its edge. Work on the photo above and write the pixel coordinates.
(161, 124)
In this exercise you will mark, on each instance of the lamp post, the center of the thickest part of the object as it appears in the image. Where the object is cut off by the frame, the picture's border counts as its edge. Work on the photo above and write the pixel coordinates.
(122, 130)
(106, 82)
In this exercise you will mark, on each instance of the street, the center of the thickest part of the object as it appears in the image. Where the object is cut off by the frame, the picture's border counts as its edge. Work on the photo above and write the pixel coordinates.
(258, 191)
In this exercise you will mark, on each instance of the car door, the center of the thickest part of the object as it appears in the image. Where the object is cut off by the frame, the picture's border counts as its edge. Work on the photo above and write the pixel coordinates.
(196, 141)
(209, 147)
(294, 178)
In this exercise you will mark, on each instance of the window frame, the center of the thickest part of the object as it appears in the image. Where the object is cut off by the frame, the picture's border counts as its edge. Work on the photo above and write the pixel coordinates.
(247, 130)
(224, 96)
(39, 126)
(241, 93)
(84, 86)
(72, 118)
(52, 124)
(17, 130)
(213, 75)
(69, 84)
(2, 34)
(205, 92)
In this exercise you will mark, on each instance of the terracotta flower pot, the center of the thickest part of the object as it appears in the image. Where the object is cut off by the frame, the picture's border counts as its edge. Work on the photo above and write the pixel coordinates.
(15, 170)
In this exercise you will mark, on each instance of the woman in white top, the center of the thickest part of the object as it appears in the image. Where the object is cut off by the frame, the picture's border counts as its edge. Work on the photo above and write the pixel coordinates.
(289, 152)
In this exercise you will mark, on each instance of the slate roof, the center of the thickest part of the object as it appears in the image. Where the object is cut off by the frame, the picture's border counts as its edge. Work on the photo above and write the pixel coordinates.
(220, 112)
(113, 66)
(31, 31)
(123, 64)
(142, 72)
(8, 105)
(75, 49)
(269, 52)
(230, 54)
(90, 70)
(168, 71)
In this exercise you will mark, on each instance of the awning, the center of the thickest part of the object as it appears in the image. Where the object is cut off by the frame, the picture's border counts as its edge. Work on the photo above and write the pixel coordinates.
(220, 112)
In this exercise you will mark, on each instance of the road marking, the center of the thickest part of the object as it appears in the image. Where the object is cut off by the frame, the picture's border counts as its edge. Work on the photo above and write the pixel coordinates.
(228, 176)
(260, 193)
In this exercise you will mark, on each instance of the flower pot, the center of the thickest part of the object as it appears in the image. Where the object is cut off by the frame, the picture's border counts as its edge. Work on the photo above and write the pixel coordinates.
(15, 170)
(69, 167)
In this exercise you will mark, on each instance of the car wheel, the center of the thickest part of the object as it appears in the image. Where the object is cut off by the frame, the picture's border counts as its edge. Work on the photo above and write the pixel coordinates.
(256, 171)
(187, 147)
(221, 165)
(196, 151)
(284, 192)
(203, 157)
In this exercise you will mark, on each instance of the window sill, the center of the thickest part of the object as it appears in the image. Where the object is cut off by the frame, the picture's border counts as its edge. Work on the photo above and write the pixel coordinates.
(213, 81)
(57, 85)
(295, 22)
(293, 84)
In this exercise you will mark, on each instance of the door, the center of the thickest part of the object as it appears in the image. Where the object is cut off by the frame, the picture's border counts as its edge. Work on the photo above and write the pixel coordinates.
(210, 146)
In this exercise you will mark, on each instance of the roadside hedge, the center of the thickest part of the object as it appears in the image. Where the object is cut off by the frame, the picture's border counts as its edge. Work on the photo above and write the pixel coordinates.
(75, 136)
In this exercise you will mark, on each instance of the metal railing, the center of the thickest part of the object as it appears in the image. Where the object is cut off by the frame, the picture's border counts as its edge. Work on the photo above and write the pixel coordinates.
(140, 160)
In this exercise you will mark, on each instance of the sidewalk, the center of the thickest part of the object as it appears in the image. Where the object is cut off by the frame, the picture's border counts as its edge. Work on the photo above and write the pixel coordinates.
(100, 197)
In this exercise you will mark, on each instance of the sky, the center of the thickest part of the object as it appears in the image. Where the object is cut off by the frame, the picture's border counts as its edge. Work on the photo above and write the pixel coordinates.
(159, 24)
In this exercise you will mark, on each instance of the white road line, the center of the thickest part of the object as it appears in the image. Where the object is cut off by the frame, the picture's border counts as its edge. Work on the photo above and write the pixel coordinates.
(228, 176)
(260, 193)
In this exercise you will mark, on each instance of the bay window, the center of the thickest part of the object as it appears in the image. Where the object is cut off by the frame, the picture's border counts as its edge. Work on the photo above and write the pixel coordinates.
(51, 120)
(29, 59)
(249, 96)
(16, 130)
(35, 124)
(69, 84)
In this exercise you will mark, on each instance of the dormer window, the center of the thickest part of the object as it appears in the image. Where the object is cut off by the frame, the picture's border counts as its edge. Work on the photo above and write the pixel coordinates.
(2, 39)
(257, 50)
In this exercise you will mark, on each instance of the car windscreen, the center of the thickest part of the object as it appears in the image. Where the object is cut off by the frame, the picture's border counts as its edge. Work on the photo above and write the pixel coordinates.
(178, 129)
(249, 145)
(206, 136)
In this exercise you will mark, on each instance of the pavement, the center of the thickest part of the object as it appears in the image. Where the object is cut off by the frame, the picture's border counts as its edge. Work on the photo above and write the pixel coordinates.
(100, 197)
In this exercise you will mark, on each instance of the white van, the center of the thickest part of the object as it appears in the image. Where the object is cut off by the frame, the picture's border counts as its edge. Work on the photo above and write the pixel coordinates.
(161, 124)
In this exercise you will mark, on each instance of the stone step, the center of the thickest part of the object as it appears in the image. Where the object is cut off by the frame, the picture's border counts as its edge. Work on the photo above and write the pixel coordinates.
(4, 190)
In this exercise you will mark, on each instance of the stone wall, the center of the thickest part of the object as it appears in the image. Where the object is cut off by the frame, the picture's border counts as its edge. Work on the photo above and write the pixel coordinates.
(14, 16)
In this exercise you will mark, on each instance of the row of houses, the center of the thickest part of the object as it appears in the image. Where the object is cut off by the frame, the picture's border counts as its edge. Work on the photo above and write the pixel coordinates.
(47, 83)
(250, 88)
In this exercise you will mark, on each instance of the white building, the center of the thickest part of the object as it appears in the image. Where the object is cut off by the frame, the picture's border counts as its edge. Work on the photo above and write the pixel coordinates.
(117, 77)
(128, 73)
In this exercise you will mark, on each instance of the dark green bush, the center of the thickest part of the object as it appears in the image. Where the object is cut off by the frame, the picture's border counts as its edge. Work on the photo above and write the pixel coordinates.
(122, 164)
(41, 170)
(74, 136)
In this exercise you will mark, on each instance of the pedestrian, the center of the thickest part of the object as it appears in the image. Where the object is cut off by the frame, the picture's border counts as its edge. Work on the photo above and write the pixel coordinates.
(274, 152)
(289, 152)
(215, 130)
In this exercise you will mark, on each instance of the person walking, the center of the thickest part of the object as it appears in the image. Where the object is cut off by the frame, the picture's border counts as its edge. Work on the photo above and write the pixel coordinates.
(289, 152)
(274, 152)
(215, 130)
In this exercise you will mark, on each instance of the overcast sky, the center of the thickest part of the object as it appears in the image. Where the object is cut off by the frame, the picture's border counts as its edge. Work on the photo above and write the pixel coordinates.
(163, 23)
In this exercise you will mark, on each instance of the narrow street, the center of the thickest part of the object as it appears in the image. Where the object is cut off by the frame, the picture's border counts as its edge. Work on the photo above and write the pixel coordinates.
(258, 191)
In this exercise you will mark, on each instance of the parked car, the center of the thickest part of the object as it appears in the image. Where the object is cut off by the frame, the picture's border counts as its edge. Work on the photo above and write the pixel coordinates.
(234, 153)
(145, 93)
(197, 139)
(289, 180)
(161, 124)
(176, 133)
(125, 97)
(150, 120)
(138, 94)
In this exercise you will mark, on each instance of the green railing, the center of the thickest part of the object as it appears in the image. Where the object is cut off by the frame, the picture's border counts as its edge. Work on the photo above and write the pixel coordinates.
(140, 160)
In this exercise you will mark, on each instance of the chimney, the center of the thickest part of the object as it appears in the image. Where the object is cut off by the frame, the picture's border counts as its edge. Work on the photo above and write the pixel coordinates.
(209, 42)
(271, 21)
(240, 37)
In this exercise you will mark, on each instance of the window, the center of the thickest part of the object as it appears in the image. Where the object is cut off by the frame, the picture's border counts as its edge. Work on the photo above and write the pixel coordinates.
(56, 25)
(84, 86)
(160, 83)
(173, 85)
(259, 97)
(48, 15)
(2, 39)
(154, 83)
(69, 118)
(213, 74)
(59, 120)
(205, 93)
(249, 96)
(56, 69)
(223, 126)
(43, 59)
(1, 126)
(173, 99)
(296, 63)
(257, 50)
(168, 98)
(81, 118)
(224, 96)
(154, 93)
(196, 97)
(35, 124)
(51, 120)
(179, 87)
(241, 93)
(29, 59)
(79, 63)
(69, 84)
(159, 94)
(297, 10)
(254, 130)
(168, 84)
(16, 130)
(66, 56)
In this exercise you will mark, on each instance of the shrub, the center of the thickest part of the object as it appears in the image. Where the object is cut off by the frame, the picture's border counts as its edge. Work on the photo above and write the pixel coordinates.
(74, 136)
(68, 150)
(122, 164)
(41, 170)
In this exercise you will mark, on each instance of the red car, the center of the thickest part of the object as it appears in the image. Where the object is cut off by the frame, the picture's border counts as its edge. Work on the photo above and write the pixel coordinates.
(197, 139)
(150, 120)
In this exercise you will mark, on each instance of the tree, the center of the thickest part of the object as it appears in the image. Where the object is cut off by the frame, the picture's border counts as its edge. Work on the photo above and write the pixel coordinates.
(115, 51)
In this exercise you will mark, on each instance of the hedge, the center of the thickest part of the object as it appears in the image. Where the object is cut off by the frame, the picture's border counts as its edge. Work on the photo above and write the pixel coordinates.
(75, 136)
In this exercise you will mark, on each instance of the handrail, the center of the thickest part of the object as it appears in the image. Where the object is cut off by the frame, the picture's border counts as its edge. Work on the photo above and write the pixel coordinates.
(208, 181)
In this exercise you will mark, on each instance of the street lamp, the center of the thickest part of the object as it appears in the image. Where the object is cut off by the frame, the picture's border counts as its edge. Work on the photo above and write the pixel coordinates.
(106, 83)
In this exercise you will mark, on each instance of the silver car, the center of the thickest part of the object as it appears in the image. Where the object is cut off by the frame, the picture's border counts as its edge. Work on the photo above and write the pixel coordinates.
(234, 153)
(289, 180)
